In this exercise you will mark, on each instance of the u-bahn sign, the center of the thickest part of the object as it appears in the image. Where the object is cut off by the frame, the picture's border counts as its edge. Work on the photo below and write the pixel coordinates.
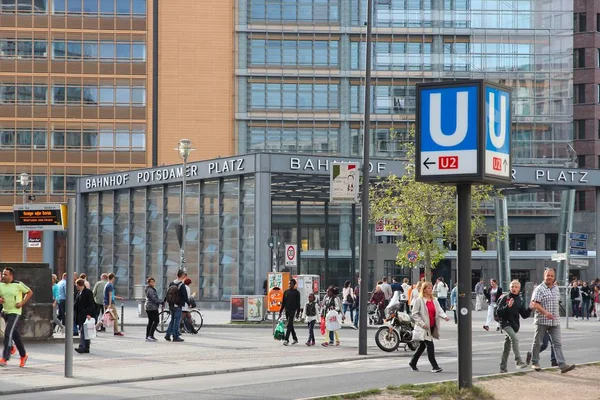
(463, 132)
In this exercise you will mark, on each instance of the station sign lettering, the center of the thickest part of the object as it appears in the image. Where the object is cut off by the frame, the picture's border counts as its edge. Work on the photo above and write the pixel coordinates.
(319, 164)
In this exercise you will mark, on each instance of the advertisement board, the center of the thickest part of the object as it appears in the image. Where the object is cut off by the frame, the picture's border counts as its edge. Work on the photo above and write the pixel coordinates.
(344, 182)
(257, 306)
(238, 308)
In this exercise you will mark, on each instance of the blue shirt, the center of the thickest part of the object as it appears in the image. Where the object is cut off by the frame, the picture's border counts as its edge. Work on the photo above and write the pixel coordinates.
(454, 296)
(62, 290)
(55, 291)
(109, 290)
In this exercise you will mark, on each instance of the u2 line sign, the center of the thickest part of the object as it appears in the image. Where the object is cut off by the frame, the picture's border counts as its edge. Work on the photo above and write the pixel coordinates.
(463, 132)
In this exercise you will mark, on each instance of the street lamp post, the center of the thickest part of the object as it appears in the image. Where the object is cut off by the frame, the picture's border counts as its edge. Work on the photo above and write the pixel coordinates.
(24, 181)
(184, 148)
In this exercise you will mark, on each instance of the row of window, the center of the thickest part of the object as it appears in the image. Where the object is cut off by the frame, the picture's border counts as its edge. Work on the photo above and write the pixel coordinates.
(103, 139)
(102, 95)
(39, 184)
(294, 53)
(301, 11)
(579, 129)
(579, 58)
(579, 95)
(74, 50)
(105, 8)
(294, 96)
(580, 22)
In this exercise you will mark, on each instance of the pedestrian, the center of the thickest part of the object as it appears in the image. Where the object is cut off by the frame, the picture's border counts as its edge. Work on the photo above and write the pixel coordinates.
(597, 302)
(544, 301)
(75, 326)
(378, 298)
(55, 294)
(62, 298)
(414, 295)
(109, 305)
(575, 299)
(356, 304)
(405, 285)
(85, 307)
(441, 291)
(586, 296)
(310, 315)
(330, 311)
(152, 305)
(84, 277)
(511, 307)
(176, 298)
(186, 318)
(479, 295)
(292, 307)
(454, 302)
(98, 293)
(546, 342)
(492, 295)
(426, 314)
(348, 301)
(12, 300)
(387, 291)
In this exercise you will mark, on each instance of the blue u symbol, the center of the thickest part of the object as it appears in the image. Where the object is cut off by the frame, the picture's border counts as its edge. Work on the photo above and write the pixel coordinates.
(462, 120)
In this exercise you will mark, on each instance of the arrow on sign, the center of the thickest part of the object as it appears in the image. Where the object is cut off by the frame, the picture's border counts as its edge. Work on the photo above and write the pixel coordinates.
(505, 165)
(427, 163)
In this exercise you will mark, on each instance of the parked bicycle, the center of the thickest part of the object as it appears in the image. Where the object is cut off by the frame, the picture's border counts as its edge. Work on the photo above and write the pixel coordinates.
(192, 323)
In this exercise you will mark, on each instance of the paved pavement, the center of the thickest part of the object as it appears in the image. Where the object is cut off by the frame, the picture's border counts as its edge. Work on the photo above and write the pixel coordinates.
(247, 363)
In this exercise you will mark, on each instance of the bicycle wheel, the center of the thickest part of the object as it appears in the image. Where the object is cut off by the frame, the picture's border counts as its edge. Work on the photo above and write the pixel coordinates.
(197, 319)
(163, 321)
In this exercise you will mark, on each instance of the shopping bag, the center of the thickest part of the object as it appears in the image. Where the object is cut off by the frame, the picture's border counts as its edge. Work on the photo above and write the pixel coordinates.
(107, 320)
(332, 321)
(279, 331)
(418, 334)
(323, 325)
(89, 329)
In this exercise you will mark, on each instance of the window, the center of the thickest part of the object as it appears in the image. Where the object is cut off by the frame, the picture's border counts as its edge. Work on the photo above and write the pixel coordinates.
(522, 242)
(24, 6)
(300, 140)
(579, 22)
(7, 183)
(90, 6)
(579, 58)
(393, 270)
(598, 94)
(23, 94)
(598, 125)
(294, 11)
(579, 128)
(581, 161)
(597, 22)
(104, 140)
(293, 53)
(23, 48)
(23, 138)
(104, 8)
(105, 51)
(579, 93)
(7, 139)
(57, 184)
(307, 96)
(597, 58)
(580, 196)
(551, 241)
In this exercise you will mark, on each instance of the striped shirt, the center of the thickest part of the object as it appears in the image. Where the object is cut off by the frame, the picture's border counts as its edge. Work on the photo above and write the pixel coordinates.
(547, 297)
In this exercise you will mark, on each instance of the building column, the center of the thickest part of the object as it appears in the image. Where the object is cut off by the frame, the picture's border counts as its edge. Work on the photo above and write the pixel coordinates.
(597, 262)
(565, 224)
(262, 229)
(48, 249)
(503, 251)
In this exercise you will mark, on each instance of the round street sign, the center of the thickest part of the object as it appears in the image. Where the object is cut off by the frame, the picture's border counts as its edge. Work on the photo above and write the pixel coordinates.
(291, 252)
(412, 256)
(291, 255)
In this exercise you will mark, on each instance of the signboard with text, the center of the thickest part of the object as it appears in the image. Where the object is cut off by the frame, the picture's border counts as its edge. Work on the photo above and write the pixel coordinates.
(34, 239)
(291, 255)
(344, 183)
(40, 217)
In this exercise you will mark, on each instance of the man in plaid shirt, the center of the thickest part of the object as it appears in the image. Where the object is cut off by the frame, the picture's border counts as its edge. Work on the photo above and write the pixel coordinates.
(544, 301)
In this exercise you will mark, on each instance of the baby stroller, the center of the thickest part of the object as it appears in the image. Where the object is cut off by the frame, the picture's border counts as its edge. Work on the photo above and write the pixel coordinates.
(373, 314)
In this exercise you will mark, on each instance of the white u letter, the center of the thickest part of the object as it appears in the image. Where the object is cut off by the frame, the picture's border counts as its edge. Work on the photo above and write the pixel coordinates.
(497, 140)
(462, 119)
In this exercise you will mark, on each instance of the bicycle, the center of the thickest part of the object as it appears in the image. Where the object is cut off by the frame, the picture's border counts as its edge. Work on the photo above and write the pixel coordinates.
(164, 318)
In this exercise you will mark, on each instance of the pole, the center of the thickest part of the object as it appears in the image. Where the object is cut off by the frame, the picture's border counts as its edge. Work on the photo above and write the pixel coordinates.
(70, 301)
(567, 256)
(364, 228)
(122, 317)
(25, 233)
(465, 357)
(183, 219)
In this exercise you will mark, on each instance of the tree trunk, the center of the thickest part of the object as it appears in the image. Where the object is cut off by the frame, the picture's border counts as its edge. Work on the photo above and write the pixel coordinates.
(427, 265)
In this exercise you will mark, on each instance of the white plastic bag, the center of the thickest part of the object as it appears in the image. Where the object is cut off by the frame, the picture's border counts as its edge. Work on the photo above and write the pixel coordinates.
(89, 329)
(332, 321)
(418, 334)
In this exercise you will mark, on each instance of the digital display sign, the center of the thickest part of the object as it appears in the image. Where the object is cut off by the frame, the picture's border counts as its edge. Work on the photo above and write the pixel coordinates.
(40, 217)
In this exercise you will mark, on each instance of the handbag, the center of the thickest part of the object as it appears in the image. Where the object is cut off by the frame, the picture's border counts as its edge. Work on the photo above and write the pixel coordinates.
(107, 320)
(323, 325)
(89, 329)
(332, 321)
(418, 334)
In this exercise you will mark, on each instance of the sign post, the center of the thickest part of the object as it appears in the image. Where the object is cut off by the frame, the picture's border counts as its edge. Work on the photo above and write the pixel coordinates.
(291, 255)
(465, 142)
(344, 183)
(576, 246)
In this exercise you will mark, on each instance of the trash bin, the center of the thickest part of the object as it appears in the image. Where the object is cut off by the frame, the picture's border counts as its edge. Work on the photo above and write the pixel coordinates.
(140, 297)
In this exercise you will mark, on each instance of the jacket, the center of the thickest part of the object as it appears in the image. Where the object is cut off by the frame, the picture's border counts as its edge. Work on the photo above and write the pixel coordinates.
(585, 293)
(378, 298)
(152, 299)
(454, 297)
(98, 292)
(309, 318)
(331, 303)
(291, 302)
(183, 297)
(575, 293)
(441, 290)
(509, 316)
(348, 291)
(84, 305)
(420, 315)
(487, 294)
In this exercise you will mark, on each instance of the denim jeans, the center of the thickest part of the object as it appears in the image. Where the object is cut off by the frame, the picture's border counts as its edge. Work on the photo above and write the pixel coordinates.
(311, 332)
(510, 340)
(544, 346)
(554, 336)
(356, 317)
(84, 344)
(575, 307)
(173, 329)
(348, 307)
(585, 308)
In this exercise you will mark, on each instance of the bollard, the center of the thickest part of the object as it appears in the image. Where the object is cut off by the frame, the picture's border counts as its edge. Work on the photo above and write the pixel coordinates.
(122, 316)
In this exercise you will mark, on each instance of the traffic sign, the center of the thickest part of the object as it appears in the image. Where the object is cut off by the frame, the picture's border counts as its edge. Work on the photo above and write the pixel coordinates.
(291, 255)
(412, 256)
(578, 236)
(579, 244)
(466, 140)
(558, 257)
(579, 262)
(497, 142)
(578, 252)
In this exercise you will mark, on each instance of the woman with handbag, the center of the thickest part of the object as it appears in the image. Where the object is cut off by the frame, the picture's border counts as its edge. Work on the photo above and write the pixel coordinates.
(331, 312)
(426, 314)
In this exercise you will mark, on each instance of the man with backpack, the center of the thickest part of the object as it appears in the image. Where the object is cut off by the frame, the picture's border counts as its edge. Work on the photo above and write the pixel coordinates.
(176, 298)
(510, 308)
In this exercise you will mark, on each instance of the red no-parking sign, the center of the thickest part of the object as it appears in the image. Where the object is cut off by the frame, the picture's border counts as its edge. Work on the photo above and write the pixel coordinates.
(291, 255)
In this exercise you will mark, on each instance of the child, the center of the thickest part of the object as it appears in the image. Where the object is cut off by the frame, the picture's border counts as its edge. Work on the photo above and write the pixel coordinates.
(310, 315)
(454, 302)
(331, 303)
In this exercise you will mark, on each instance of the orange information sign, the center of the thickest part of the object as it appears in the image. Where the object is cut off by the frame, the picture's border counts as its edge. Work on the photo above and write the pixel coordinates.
(277, 284)
(275, 299)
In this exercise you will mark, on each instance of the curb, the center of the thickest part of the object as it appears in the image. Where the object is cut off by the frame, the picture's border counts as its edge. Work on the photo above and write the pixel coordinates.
(451, 380)
(242, 326)
(88, 383)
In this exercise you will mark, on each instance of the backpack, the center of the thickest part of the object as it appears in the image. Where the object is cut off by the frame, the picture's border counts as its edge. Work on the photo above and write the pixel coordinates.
(496, 316)
(172, 296)
(349, 298)
(311, 309)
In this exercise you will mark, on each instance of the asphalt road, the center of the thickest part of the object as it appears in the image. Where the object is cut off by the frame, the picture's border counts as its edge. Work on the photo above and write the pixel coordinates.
(580, 346)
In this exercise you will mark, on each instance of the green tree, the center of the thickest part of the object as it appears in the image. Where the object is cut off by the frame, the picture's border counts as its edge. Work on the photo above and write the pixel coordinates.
(425, 213)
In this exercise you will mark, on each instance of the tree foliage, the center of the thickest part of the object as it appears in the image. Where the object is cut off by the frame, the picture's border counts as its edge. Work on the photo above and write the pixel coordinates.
(426, 213)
